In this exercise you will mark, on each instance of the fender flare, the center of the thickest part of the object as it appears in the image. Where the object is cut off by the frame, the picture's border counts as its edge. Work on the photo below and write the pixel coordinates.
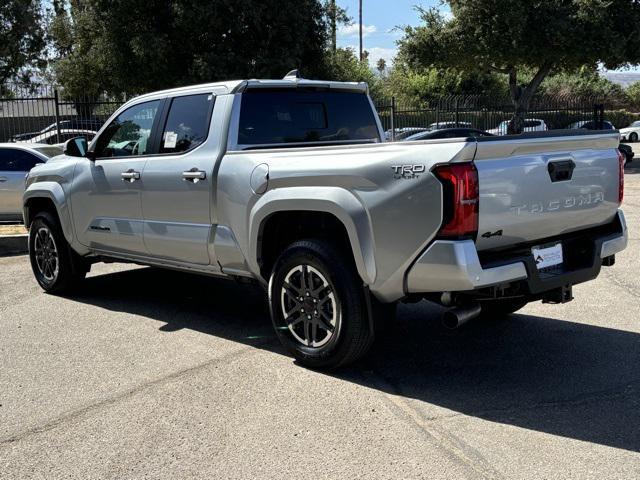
(51, 191)
(333, 200)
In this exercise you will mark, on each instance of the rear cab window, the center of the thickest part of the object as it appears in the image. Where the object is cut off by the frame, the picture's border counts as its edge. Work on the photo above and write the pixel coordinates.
(272, 118)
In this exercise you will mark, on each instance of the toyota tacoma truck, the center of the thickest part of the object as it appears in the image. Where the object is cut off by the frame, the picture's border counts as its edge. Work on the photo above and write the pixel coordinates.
(289, 184)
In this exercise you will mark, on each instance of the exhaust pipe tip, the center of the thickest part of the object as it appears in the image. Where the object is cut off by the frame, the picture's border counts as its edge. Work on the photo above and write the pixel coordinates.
(456, 317)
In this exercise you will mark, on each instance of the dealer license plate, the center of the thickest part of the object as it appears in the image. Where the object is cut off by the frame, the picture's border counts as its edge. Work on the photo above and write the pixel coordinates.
(547, 256)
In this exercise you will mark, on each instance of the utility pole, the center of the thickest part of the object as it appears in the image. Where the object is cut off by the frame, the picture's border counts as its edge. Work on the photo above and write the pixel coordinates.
(333, 12)
(360, 14)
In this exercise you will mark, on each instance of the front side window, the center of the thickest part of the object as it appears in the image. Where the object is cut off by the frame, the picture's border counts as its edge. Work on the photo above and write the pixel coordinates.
(129, 133)
(187, 123)
(270, 117)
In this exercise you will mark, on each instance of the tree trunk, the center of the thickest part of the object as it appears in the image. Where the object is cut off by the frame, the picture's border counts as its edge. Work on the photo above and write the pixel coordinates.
(521, 97)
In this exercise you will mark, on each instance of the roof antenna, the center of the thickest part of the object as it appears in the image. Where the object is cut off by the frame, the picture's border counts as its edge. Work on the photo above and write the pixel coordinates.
(292, 74)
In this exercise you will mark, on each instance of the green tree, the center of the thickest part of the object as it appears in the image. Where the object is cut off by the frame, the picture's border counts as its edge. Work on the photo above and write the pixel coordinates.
(633, 93)
(335, 16)
(135, 46)
(584, 82)
(416, 86)
(511, 37)
(344, 66)
(22, 39)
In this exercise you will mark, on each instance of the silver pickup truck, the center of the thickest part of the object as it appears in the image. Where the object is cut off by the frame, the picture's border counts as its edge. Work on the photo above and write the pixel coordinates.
(290, 184)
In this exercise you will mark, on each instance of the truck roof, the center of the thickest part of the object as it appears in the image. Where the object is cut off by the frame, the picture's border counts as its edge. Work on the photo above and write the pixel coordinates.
(234, 86)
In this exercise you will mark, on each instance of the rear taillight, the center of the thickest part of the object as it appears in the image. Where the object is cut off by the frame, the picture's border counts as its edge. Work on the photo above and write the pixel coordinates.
(621, 162)
(460, 200)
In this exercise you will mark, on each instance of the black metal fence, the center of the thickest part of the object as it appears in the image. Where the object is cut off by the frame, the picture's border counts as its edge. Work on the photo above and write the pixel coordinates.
(489, 113)
(46, 114)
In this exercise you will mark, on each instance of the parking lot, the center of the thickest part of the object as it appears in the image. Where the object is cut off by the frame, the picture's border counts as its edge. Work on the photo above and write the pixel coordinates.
(148, 373)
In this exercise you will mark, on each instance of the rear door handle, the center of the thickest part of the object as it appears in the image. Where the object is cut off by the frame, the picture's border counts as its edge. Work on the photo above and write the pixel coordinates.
(194, 175)
(3, 179)
(130, 175)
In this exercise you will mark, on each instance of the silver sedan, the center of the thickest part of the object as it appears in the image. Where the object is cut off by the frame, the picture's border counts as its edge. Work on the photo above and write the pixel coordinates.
(16, 159)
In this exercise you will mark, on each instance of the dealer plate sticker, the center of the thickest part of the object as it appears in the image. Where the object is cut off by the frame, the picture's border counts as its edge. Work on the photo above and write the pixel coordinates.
(547, 257)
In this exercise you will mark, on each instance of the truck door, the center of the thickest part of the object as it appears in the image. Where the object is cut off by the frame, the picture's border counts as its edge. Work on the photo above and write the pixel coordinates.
(106, 191)
(177, 195)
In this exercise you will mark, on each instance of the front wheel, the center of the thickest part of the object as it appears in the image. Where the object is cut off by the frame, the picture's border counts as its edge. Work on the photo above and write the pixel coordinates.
(56, 267)
(633, 137)
(318, 305)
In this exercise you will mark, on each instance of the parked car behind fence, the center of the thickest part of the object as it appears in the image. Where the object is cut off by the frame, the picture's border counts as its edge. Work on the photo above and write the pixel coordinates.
(631, 133)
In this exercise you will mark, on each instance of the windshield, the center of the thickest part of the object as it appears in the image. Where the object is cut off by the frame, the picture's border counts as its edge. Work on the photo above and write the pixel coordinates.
(49, 151)
(271, 117)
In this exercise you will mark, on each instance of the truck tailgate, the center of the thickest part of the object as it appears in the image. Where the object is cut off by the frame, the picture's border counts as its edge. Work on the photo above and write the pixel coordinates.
(537, 187)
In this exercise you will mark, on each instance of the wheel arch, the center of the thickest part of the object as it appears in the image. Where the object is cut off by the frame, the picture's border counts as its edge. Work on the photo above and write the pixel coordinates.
(48, 196)
(336, 207)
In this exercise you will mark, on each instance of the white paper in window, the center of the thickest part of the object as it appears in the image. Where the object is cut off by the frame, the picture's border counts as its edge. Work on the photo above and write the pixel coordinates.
(170, 139)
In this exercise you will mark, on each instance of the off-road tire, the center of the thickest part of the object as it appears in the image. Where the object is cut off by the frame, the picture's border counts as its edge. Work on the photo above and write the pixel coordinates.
(353, 333)
(69, 267)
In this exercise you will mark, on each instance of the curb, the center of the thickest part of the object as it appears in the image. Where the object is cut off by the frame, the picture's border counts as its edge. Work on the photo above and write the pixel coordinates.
(14, 244)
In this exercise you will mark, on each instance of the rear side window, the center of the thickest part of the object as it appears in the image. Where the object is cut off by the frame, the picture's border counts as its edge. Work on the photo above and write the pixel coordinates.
(187, 123)
(272, 117)
(14, 160)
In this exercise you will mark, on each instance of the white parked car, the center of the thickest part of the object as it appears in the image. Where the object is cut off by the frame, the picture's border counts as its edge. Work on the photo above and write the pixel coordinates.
(530, 125)
(444, 125)
(16, 159)
(51, 137)
(631, 133)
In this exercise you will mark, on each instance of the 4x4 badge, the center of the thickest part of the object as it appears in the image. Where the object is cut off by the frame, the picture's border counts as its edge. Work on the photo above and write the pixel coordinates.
(494, 234)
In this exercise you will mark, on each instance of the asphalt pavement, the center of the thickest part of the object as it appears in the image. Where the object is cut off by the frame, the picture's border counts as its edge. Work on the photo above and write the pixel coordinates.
(158, 374)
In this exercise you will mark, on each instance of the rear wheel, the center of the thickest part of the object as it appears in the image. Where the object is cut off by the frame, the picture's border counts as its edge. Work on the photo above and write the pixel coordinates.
(56, 266)
(318, 305)
(633, 137)
(501, 308)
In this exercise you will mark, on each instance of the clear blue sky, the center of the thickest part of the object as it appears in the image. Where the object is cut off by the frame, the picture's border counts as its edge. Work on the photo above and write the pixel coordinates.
(380, 17)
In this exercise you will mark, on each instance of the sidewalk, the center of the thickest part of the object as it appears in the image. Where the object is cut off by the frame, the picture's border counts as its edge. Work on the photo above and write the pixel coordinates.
(13, 240)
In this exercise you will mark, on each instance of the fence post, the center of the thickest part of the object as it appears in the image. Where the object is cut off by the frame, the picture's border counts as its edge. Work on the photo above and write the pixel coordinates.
(457, 111)
(56, 99)
(393, 119)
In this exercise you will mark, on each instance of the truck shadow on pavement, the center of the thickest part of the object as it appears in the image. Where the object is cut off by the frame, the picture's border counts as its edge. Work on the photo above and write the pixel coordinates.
(563, 378)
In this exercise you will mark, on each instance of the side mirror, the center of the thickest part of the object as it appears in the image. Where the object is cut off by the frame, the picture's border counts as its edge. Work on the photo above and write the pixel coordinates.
(76, 147)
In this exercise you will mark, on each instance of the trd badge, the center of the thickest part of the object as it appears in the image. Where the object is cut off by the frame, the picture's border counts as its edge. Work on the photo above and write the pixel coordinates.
(407, 171)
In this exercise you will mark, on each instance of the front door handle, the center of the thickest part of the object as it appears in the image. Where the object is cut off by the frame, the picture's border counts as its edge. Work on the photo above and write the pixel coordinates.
(3, 179)
(130, 175)
(194, 175)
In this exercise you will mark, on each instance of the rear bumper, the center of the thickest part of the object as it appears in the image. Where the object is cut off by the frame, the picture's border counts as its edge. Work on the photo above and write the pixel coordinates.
(455, 266)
